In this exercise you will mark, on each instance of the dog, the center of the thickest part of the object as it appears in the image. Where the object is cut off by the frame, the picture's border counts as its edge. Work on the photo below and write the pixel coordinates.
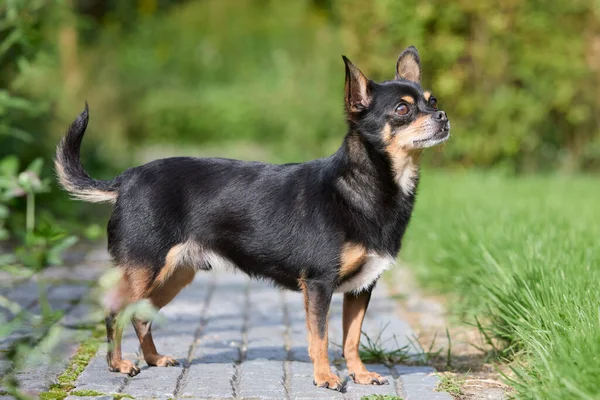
(329, 225)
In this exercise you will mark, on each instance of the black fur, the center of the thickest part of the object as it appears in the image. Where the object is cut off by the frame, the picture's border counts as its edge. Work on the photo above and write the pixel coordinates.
(67, 156)
(287, 223)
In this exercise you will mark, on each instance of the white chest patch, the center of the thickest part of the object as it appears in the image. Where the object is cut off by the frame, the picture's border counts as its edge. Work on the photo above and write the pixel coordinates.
(374, 266)
(407, 177)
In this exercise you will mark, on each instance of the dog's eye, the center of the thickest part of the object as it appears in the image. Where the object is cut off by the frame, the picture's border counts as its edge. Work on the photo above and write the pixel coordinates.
(402, 109)
(433, 102)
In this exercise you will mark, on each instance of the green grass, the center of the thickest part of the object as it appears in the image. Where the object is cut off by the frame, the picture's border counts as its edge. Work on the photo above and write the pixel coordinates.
(522, 255)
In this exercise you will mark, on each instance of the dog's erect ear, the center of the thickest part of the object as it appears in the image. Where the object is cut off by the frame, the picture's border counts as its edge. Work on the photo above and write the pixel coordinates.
(356, 90)
(408, 65)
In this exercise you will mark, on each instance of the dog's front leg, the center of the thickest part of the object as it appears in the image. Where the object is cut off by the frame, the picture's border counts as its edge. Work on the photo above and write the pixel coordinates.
(355, 307)
(317, 299)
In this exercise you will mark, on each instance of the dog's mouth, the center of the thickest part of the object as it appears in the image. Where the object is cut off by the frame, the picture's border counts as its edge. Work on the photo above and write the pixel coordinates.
(437, 138)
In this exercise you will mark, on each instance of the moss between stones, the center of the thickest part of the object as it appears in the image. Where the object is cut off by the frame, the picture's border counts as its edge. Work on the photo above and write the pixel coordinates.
(89, 393)
(66, 381)
(118, 396)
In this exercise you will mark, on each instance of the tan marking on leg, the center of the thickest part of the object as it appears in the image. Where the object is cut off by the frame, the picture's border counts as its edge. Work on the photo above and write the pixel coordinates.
(171, 264)
(318, 348)
(137, 282)
(133, 286)
(143, 329)
(114, 357)
(173, 277)
(161, 295)
(355, 307)
(352, 257)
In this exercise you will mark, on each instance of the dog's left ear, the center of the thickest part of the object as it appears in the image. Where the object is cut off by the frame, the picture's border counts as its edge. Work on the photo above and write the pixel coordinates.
(408, 66)
(356, 90)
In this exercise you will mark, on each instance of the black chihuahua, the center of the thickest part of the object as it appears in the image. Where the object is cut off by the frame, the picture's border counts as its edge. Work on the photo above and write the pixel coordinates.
(323, 226)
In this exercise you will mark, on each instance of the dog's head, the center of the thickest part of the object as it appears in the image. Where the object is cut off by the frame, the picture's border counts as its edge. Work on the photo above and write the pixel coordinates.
(395, 115)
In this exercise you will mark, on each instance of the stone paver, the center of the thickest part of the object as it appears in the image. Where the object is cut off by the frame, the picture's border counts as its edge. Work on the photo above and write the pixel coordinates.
(242, 339)
(66, 290)
(234, 339)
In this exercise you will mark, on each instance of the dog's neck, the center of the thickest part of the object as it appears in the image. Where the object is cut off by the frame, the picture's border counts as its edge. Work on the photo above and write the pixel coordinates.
(369, 178)
(400, 169)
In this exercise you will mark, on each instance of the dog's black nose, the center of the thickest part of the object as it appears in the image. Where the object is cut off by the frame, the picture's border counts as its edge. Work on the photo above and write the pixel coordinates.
(440, 116)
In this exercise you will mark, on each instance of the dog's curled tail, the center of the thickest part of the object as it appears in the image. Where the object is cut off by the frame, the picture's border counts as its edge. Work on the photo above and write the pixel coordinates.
(70, 172)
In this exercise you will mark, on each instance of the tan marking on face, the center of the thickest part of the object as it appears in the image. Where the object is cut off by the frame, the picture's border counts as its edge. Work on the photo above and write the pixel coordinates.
(427, 95)
(352, 257)
(409, 99)
(405, 158)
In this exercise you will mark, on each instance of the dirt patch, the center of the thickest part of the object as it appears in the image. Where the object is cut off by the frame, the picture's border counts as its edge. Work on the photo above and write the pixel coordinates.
(467, 372)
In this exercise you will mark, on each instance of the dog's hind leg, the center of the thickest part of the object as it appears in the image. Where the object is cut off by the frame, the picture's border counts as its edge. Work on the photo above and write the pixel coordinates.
(114, 357)
(143, 329)
(161, 295)
(317, 299)
(133, 286)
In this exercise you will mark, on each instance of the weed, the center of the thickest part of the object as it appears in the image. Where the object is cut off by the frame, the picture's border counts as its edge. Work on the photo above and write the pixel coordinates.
(449, 351)
(380, 397)
(42, 242)
(374, 351)
(424, 356)
(450, 383)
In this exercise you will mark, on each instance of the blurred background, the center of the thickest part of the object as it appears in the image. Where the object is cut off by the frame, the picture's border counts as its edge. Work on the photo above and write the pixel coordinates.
(260, 79)
(503, 222)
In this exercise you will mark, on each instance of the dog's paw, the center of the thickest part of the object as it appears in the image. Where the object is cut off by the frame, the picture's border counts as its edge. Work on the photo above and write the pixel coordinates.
(368, 378)
(125, 367)
(162, 361)
(329, 381)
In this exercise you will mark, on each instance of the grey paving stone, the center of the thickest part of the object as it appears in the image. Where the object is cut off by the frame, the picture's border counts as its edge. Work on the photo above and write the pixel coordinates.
(154, 382)
(96, 375)
(301, 383)
(214, 372)
(266, 328)
(49, 359)
(25, 294)
(356, 391)
(209, 381)
(83, 314)
(419, 383)
(62, 297)
(98, 254)
(262, 377)
(85, 271)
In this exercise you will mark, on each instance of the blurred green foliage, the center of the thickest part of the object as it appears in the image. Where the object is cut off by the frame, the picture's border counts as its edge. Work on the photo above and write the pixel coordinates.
(516, 78)
(265, 77)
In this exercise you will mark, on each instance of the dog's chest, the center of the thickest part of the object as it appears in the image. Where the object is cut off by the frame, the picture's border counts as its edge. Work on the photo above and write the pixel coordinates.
(368, 273)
